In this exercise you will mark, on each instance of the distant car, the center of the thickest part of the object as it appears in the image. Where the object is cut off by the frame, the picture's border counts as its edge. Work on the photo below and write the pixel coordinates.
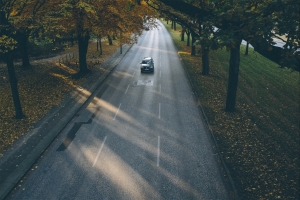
(146, 27)
(147, 65)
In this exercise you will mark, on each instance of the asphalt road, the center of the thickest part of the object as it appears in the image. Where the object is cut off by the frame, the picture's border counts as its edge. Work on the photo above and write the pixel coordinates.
(141, 136)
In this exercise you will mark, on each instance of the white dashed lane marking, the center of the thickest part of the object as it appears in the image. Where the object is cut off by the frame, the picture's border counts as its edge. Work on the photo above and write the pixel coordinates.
(117, 111)
(98, 154)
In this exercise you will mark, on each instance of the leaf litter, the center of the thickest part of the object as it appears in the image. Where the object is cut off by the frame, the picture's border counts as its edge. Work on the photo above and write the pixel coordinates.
(41, 87)
(260, 146)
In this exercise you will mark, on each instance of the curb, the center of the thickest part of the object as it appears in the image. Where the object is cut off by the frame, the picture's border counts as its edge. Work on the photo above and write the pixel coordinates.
(70, 106)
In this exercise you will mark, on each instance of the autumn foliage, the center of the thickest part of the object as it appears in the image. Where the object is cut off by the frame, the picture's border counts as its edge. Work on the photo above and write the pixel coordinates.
(53, 20)
(43, 87)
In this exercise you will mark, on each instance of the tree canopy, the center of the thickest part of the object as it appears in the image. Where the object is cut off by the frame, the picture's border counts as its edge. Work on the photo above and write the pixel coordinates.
(52, 19)
(258, 22)
(222, 23)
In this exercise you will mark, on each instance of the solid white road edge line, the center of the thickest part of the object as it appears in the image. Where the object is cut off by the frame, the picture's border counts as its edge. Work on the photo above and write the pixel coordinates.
(99, 151)
(117, 111)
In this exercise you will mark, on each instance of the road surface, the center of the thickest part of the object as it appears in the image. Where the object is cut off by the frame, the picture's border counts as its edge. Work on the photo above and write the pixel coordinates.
(140, 136)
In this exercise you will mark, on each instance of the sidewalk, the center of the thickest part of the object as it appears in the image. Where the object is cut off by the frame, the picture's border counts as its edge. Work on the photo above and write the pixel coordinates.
(17, 160)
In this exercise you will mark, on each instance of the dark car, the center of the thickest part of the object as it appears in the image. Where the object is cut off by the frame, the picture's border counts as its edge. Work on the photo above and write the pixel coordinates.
(147, 65)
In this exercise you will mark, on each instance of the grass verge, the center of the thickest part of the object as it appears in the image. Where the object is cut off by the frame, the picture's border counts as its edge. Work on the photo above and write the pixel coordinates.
(260, 141)
(42, 87)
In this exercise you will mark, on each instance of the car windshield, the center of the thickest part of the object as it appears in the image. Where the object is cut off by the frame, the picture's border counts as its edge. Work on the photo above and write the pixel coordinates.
(145, 61)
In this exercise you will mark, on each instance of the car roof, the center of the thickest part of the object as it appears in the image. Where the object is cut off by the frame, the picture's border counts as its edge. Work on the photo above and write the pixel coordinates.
(147, 58)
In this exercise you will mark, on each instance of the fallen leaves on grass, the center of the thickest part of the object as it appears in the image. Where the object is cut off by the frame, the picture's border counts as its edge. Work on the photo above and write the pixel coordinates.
(40, 88)
(259, 149)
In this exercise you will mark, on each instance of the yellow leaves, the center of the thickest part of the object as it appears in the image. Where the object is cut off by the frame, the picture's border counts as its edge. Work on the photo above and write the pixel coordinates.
(60, 76)
(184, 52)
(86, 7)
(7, 44)
(14, 12)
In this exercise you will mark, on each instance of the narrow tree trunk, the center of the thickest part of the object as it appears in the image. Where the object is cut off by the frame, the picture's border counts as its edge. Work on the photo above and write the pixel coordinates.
(182, 35)
(14, 86)
(205, 60)
(188, 39)
(83, 42)
(204, 51)
(234, 65)
(24, 50)
(100, 42)
(97, 44)
(193, 52)
(109, 40)
(247, 47)
(174, 25)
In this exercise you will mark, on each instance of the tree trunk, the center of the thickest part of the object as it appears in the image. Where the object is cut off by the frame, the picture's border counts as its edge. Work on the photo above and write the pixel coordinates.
(174, 25)
(97, 44)
(205, 60)
(100, 42)
(188, 39)
(23, 41)
(109, 40)
(193, 53)
(182, 35)
(247, 47)
(83, 42)
(234, 65)
(14, 85)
